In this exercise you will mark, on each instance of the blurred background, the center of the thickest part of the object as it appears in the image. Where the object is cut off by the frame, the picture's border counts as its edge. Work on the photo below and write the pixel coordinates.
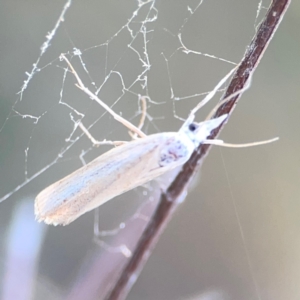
(237, 234)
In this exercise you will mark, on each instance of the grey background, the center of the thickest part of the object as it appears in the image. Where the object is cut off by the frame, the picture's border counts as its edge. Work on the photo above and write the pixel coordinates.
(202, 251)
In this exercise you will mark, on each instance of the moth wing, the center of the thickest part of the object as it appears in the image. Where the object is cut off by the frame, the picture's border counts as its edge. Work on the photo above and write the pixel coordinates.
(111, 174)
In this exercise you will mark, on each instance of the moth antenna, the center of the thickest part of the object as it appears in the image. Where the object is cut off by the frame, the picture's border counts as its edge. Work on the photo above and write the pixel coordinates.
(213, 111)
(211, 94)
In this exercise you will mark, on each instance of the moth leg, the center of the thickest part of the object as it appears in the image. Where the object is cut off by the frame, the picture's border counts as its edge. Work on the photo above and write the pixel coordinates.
(143, 109)
(117, 117)
(98, 143)
(246, 145)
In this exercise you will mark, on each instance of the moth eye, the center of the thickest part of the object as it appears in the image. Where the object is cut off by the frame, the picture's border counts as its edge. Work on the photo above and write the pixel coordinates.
(193, 127)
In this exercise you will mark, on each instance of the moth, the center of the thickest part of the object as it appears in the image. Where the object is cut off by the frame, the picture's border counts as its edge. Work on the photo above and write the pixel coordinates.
(118, 171)
(127, 166)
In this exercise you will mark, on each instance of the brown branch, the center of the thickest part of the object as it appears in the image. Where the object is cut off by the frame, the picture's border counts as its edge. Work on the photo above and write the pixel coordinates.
(170, 200)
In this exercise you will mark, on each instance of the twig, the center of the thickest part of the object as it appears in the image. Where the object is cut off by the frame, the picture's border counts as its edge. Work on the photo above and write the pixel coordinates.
(170, 200)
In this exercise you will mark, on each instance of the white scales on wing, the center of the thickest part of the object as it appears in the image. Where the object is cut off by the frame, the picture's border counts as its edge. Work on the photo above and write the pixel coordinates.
(119, 170)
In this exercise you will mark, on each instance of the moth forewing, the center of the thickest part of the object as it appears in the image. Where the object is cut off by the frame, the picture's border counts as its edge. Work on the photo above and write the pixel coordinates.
(111, 174)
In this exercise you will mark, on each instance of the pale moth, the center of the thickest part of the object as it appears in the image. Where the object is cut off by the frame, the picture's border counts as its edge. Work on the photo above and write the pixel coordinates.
(124, 167)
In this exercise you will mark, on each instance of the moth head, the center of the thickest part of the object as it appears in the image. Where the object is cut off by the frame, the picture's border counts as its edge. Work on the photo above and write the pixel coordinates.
(198, 132)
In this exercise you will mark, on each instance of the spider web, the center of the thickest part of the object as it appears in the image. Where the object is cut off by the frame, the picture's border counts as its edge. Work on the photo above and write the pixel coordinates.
(122, 52)
(118, 80)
